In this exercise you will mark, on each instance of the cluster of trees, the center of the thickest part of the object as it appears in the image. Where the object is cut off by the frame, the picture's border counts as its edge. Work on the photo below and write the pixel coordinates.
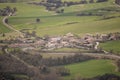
(117, 2)
(102, 0)
(6, 11)
(97, 13)
(4, 1)
(53, 5)
(65, 60)
(28, 34)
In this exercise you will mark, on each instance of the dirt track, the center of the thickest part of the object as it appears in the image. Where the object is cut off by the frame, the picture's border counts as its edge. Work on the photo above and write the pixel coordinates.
(9, 26)
(96, 55)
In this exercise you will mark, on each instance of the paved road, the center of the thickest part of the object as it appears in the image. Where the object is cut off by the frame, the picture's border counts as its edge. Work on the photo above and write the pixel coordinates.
(9, 26)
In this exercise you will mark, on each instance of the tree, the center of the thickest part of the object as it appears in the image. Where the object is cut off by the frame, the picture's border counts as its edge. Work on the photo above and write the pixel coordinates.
(37, 20)
(3, 35)
(62, 10)
(6, 20)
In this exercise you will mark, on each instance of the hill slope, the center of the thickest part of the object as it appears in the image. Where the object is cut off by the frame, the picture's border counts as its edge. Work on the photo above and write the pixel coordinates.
(56, 24)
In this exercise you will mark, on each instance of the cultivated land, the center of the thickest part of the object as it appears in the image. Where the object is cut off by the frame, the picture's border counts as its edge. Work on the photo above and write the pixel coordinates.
(90, 69)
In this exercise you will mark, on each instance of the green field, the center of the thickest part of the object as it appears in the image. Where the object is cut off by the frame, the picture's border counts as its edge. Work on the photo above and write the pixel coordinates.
(55, 55)
(58, 24)
(111, 45)
(3, 29)
(91, 68)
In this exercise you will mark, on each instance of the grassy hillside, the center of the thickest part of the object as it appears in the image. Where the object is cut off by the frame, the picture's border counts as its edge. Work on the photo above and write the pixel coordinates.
(111, 45)
(56, 24)
(91, 68)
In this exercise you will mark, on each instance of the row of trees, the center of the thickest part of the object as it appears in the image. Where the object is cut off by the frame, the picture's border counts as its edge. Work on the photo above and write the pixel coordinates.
(89, 14)
(102, 0)
(37, 59)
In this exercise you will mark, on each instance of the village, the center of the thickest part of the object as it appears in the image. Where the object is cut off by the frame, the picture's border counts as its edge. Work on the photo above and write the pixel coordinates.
(69, 40)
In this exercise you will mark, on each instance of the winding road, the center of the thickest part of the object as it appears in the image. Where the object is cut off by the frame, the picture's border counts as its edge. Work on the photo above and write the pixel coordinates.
(9, 26)
(94, 55)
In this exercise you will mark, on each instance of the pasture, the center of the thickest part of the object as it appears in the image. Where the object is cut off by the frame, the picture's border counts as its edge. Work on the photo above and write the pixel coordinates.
(113, 46)
(90, 69)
